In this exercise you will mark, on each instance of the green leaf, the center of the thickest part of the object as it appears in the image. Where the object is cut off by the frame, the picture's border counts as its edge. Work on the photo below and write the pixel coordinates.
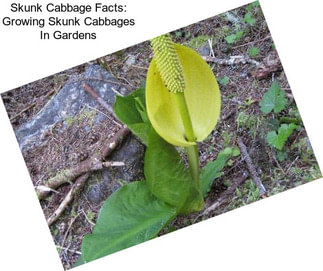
(230, 39)
(253, 52)
(129, 216)
(168, 178)
(249, 19)
(234, 37)
(178, 34)
(224, 80)
(141, 130)
(273, 99)
(125, 107)
(281, 156)
(239, 35)
(131, 110)
(235, 151)
(212, 170)
(278, 140)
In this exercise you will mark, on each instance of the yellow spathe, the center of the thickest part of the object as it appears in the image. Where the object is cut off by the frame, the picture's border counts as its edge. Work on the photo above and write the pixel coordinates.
(201, 93)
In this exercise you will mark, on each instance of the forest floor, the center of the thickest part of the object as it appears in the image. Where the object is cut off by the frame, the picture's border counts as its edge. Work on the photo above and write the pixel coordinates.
(243, 81)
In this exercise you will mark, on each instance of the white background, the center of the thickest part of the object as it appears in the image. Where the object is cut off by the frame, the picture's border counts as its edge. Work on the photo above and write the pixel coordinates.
(283, 232)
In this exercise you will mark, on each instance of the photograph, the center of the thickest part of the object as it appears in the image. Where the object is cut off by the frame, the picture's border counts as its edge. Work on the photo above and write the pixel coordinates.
(161, 135)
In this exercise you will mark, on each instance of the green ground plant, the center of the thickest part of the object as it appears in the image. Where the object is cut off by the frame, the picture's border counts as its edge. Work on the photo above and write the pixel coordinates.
(224, 80)
(253, 52)
(234, 37)
(274, 100)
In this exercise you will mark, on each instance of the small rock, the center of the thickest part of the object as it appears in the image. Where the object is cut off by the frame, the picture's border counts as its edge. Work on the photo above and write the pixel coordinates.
(95, 194)
(131, 60)
(204, 50)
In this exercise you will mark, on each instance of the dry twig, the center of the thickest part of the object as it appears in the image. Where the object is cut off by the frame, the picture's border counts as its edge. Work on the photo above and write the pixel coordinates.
(252, 42)
(251, 167)
(96, 97)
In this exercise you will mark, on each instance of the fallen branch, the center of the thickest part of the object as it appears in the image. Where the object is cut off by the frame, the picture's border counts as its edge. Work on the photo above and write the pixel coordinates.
(224, 197)
(76, 188)
(94, 95)
(269, 65)
(114, 142)
(251, 167)
(81, 180)
(233, 60)
(88, 165)
(83, 169)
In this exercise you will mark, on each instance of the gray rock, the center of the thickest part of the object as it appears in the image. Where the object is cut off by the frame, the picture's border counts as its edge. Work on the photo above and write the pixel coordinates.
(67, 103)
(111, 179)
(204, 50)
(96, 194)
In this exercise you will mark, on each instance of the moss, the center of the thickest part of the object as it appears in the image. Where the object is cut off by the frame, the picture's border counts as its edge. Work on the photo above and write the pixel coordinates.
(198, 41)
(85, 114)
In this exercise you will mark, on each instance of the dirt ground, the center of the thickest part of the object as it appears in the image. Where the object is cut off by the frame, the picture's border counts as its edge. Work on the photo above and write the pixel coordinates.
(242, 85)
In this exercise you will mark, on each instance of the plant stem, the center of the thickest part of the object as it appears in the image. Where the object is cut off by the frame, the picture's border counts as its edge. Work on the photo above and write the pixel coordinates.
(191, 151)
(193, 162)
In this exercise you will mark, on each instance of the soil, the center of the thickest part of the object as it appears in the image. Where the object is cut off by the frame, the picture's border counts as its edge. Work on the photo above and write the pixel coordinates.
(241, 116)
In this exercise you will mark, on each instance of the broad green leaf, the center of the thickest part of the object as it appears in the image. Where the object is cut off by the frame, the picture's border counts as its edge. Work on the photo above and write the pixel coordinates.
(278, 140)
(167, 177)
(141, 130)
(131, 111)
(201, 93)
(273, 99)
(129, 216)
(125, 107)
(212, 170)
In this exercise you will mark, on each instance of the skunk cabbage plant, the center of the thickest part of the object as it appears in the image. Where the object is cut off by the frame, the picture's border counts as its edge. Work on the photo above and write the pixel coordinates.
(180, 106)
